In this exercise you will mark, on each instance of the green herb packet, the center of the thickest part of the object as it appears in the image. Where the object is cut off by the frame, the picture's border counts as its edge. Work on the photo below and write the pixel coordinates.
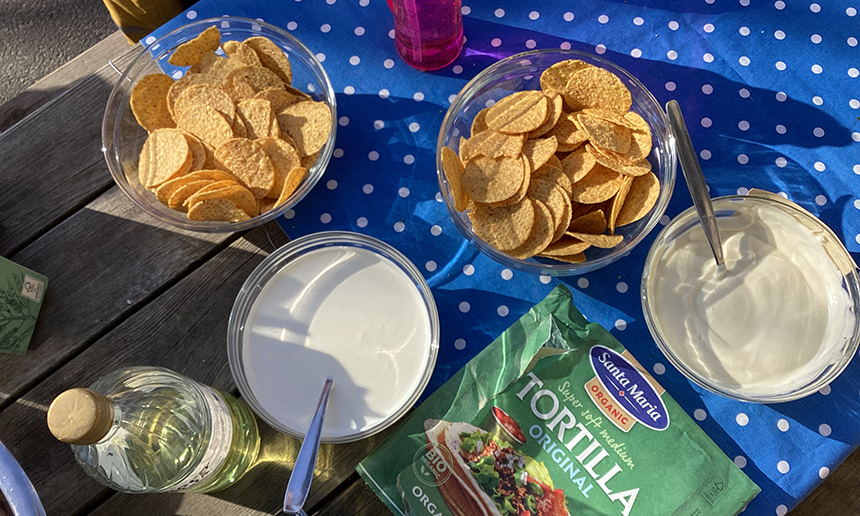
(21, 295)
(554, 418)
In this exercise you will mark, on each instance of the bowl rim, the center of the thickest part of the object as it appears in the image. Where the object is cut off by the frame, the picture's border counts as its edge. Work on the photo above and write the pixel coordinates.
(850, 276)
(281, 258)
(560, 268)
(111, 129)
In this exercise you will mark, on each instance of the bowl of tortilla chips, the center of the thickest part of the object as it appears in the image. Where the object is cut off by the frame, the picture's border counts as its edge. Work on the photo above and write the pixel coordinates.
(555, 162)
(221, 125)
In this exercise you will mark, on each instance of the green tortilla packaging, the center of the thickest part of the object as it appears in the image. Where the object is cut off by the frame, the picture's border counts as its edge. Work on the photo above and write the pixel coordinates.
(554, 418)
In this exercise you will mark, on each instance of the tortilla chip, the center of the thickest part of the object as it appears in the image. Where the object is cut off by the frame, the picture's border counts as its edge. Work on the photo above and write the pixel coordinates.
(597, 186)
(505, 227)
(149, 102)
(642, 196)
(217, 210)
(165, 156)
(191, 52)
(272, 57)
(602, 241)
(284, 158)
(250, 164)
(556, 106)
(206, 94)
(541, 235)
(492, 180)
(453, 169)
(594, 87)
(308, 123)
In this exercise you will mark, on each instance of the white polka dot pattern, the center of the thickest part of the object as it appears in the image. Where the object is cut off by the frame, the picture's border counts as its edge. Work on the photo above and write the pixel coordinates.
(769, 89)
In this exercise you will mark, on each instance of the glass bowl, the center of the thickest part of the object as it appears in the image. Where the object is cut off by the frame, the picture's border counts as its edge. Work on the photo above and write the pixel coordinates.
(829, 360)
(522, 72)
(123, 138)
(325, 281)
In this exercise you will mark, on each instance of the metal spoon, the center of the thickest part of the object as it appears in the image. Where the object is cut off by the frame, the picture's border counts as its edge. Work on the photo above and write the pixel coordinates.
(695, 180)
(303, 471)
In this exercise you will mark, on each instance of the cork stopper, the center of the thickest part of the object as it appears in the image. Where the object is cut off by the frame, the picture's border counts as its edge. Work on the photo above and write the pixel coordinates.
(80, 416)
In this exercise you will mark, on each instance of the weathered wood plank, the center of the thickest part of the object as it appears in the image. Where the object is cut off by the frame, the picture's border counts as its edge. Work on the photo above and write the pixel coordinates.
(62, 79)
(357, 500)
(103, 263)
(836, 495)
(261, 491)
(183, 329)
(52, 163)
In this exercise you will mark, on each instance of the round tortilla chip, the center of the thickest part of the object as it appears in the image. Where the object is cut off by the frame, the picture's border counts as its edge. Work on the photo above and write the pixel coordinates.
(149, 102)
(198, 152)
(554, 175)
(206, 94)
(284, 159)
(605, 135)
(190, 79)
(243, 83)
(618, 202)
(617, 162)
(165, 155)
(642, 196)
(278, 97)
(565, 246)
(241, 53)
(479, 123)
(272, 57)
(294, 179)
(503, 227)
(593, 222)
(308, 123)
(215, 65)
(540, 151)
(191, 52)
(251, 166)
(541, 235)
(601, 241)
(597, 186)
(640, 146)
(577, 164)
(568, 134)
(178, 198)
(610, 116)
(556, 77)
(492, 144)
(237, 194)
(217, 210)
(492, 180)
(594, 87)
(521, 112)
(206, 124)
(453, 169)
(258, 118)
(556, 107)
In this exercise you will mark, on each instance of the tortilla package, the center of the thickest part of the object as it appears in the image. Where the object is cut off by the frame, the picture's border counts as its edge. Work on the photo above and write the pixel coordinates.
(554, 418)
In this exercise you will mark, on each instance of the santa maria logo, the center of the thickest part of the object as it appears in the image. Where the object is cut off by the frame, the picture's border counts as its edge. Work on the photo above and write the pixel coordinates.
(623, 393)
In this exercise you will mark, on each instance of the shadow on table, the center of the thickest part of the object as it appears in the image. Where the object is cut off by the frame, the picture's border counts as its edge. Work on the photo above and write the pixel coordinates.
(729, 103)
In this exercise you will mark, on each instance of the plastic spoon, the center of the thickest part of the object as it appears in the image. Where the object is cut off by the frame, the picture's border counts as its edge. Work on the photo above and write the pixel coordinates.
(303, 471)
(695, 180)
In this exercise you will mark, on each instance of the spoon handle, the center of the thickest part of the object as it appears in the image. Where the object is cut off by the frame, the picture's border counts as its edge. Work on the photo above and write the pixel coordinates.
(303, 470)
(695, 179)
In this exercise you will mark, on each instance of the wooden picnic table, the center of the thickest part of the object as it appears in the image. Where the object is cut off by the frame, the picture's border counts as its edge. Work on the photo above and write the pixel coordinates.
(125, 290)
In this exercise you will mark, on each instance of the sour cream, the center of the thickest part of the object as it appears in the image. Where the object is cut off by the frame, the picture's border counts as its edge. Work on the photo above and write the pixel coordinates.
(342, 312)
(772, 321)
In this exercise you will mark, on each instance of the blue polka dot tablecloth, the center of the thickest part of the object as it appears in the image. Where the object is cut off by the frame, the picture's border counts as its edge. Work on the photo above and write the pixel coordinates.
(772, 96)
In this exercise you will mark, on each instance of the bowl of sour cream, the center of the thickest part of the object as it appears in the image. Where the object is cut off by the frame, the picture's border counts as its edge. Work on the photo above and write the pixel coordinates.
(777, 324)
(339, 305)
